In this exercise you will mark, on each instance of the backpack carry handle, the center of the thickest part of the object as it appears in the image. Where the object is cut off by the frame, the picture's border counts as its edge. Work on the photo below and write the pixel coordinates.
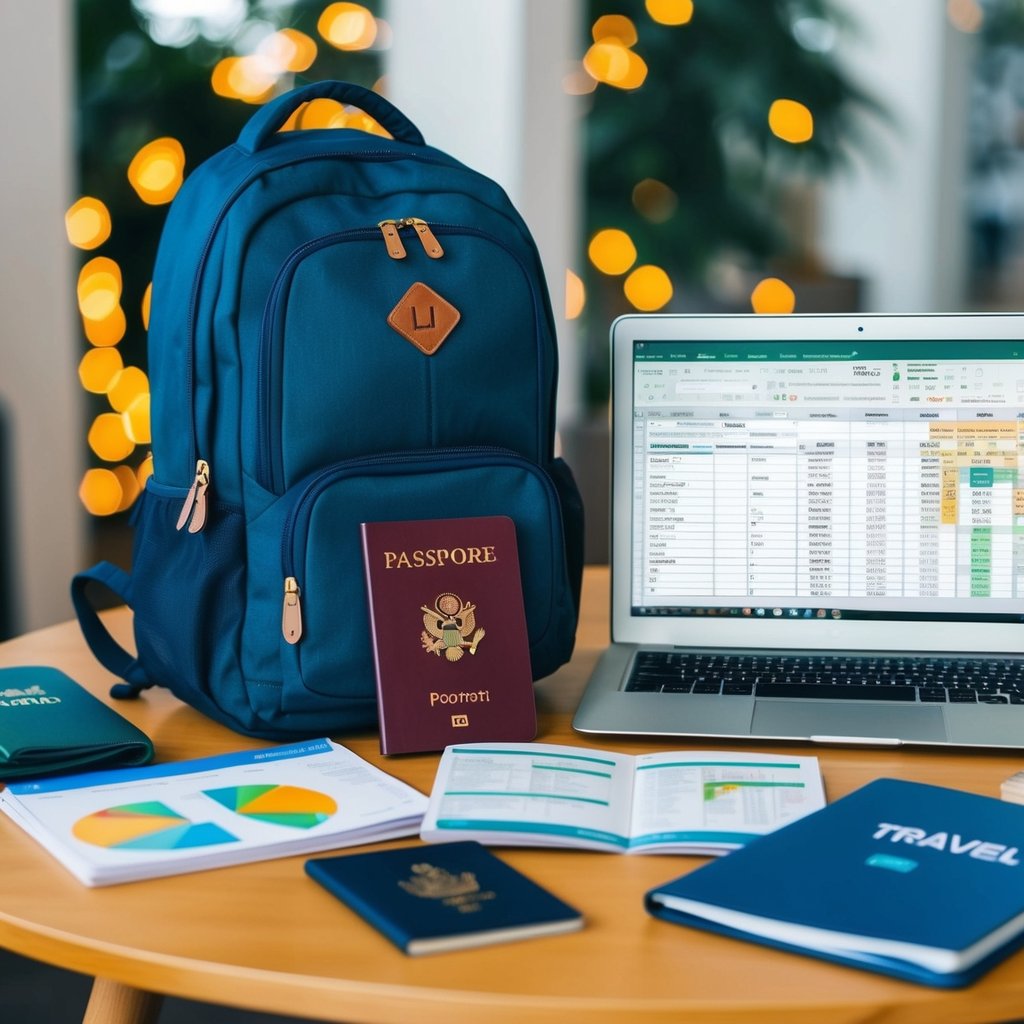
(268, 120)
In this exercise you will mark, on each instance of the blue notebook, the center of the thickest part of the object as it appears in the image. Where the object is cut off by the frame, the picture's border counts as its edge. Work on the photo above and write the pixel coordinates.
(433, 899)
(920, 882)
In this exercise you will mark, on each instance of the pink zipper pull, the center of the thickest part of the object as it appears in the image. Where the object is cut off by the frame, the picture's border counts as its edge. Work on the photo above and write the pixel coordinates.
(291, 614)
(195, 501)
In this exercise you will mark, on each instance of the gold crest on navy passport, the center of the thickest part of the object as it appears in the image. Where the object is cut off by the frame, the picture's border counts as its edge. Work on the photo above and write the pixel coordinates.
(450, 627)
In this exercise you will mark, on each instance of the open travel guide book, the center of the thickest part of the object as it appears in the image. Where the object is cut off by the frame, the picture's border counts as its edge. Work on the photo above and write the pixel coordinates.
(166, 819)
(540, 794)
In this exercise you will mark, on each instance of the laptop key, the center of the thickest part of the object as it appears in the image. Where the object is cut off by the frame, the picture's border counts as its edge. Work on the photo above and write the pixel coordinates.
(932, 694)
(707, 687)
(814, 691)
(738, 689)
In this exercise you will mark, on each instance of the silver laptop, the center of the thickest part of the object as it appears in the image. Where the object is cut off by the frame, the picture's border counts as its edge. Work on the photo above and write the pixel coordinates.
(817, 530)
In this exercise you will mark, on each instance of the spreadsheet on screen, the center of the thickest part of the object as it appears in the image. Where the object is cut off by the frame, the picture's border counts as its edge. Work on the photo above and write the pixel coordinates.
(832, 479)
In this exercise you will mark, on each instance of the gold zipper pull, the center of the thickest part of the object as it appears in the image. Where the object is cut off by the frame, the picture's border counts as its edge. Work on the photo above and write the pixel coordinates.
(291, 614)
(431, 246)
(195, 500)
(389, 229)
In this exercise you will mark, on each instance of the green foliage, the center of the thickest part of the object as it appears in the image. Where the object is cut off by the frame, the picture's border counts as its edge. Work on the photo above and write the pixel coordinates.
(699, 124)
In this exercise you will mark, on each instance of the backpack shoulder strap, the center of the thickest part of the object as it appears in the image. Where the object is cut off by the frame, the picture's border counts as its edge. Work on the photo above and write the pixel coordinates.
(109, 653)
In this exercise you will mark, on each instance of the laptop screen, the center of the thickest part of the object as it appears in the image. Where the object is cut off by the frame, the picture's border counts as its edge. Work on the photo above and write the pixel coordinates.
(827, 480)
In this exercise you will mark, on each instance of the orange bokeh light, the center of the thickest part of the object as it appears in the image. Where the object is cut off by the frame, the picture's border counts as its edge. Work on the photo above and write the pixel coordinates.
(107, 438)
(648, 288)
(348, 26)
(575, 295)
(87, 223)
(98, 368)
(614, 26)
(670, 12)
(157, 171)
(108, 331)
(791, 121)
(129, 384)
(612, 251)
(773, 295)
(100, 492)
(99, 288)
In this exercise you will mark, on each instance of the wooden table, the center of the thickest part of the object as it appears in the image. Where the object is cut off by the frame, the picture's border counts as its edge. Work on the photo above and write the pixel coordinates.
(263, 936)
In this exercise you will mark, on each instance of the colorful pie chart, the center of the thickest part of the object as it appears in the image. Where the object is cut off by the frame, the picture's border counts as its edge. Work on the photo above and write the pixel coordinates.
(147, 826)
(292, 806)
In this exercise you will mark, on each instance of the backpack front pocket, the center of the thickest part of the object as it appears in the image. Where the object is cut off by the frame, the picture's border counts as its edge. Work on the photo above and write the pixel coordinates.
(321, 619)
(341, 368)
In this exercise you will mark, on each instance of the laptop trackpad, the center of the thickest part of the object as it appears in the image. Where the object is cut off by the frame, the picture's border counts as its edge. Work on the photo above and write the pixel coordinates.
(795, 718)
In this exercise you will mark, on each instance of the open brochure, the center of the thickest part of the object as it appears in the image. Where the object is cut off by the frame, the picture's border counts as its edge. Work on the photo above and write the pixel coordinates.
(540, 794)
(134, 823)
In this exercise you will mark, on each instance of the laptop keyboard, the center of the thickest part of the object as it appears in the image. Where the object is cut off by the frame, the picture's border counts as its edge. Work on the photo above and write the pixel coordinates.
(833, 676)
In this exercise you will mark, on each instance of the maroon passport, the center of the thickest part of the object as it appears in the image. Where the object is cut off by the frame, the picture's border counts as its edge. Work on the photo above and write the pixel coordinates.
(449, 633)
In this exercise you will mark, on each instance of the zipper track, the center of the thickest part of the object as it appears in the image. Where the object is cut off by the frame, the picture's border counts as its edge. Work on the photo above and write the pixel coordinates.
(318, 482)
(373, 155)
(267, 469)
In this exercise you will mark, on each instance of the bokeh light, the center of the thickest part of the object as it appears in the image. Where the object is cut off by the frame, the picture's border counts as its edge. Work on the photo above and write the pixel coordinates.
(129, 487)
(348, 26)
(145, 470)
(648, 288)
(249, 79)
(130, 383)
(98, 368)
(288, 50)
(108, 331)
(157, 171)
(772, 295)
(612, 63)
(614, 26)
(575, 295)
(654, 200)
(670, 12)
(612, 251)
(322, 112)
(99, 288)
(965, 15)
(791, 121)
(147, 300)
(107, 438)
(136, 419)
(87, 223)
(100, 492)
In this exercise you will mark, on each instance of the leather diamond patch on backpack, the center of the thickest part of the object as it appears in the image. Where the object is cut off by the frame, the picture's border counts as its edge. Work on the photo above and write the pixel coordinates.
(424, 318)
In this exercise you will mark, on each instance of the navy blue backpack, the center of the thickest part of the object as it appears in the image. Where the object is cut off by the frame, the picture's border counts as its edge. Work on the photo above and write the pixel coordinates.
(344, 328)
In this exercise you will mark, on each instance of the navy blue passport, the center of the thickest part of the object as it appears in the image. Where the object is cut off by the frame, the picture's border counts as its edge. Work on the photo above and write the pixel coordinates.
(916, 881)
(437, 898)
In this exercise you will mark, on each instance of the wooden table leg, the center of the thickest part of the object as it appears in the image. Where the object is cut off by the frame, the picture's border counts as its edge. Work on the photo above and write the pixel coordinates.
(114, 1003)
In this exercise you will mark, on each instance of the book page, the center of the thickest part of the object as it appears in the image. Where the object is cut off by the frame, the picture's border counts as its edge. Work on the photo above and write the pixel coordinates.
(532, 794)
(164, 819)
(719, 800)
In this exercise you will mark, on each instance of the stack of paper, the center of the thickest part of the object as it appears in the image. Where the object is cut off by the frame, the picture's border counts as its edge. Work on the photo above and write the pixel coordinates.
(129, 824)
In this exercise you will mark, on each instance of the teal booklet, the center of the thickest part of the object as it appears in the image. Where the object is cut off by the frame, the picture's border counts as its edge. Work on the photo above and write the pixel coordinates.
(445, 897)
(917, 881)
(50, 724)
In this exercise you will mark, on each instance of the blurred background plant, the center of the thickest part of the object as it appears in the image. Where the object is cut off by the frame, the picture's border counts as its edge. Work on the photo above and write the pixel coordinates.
(702, 122)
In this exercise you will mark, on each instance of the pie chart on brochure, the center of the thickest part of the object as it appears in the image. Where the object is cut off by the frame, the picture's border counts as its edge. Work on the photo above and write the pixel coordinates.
(147, 826)
(291, 806)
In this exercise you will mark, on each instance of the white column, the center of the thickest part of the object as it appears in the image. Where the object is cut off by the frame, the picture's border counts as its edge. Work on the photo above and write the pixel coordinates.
(483, 81)
(39, 347)
(897, 216)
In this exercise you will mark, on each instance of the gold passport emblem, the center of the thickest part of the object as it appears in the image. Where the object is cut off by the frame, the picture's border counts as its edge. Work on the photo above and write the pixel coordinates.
(450, 626)
(424, 318)
(431, 883)
(461, 891)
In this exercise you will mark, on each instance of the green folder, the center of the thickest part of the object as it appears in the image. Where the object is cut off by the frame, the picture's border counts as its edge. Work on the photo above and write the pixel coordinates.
(50, 724)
